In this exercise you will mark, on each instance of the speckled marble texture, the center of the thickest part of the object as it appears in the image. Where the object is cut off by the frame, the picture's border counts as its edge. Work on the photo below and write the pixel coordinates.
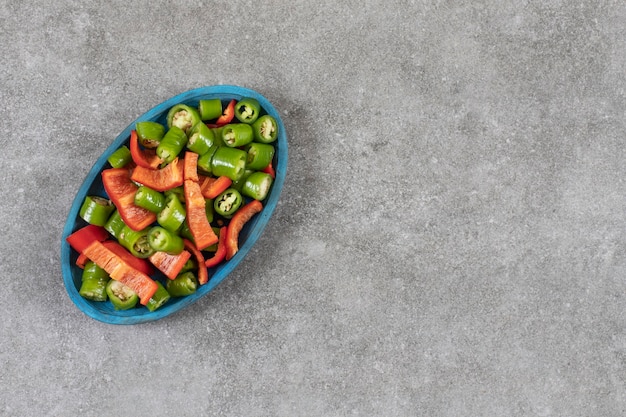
(450, 239)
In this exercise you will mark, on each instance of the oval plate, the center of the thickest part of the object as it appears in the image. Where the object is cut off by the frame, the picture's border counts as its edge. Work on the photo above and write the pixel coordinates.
(72, 274)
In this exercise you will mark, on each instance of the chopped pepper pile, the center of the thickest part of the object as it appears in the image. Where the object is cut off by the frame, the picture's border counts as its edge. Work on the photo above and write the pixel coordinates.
(176, 200)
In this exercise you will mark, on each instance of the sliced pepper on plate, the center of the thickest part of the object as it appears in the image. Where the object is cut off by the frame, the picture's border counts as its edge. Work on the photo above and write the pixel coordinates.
(227, 115)
(211, 187)
(83, 237)
(121, 190)
(203, 275)
(203, 234)
(220, 253)
(146, 158)
(247, 110)
(183, 285)
(240, 218)
(170, 265)
(121, 296)
(160, 179)
(96, 210)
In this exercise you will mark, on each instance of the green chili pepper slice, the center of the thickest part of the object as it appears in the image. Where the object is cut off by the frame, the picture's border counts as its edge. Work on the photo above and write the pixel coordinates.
(259, 155)
(204, 161)
(229, 162)
(115, 224)
(149, 133)
(172, 144)
(237, 185)
(162, 240)
(149, 199)
(173, 214)
(265, 129)
(121, 296)
(247, 110)
(190, 265)
(235, 135)
(93, 283)
(184, 284)
(210, 109)
(120, 157)
(96, 210)
(182, 116)
(160, 297)
(201, 138)
(257, 185)
(227, 203)
(136, 242)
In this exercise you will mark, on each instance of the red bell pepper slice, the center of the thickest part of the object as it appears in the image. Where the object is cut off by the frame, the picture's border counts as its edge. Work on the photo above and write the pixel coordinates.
(83, 237)
(227, 115)
(141, 265)
(270, 170)
(212, 187)
(119, 270)
(146, 158)
(160, 179)
(203, 274)
(220, 253)
(239, 219)
(121, 190)
(199, 225)
(169, 264)
(190, 167)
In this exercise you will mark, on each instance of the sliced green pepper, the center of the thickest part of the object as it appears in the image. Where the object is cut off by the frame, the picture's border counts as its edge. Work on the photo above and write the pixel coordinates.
(136, 241)
(172, 144)
(189, 266)
(235, 135)
(237, 185)
(162, 240)
(149, 133)
(257, 185)
(201, 138)
(121, 296)
(210, 109)
(149, 199)
(115, 224)
(94, 282)
(265, 129)
(178, 191)
(184, 284)
(259, 155)
(204, 161)
(182, 116)
(217, 132)
(160, 297)
(96, 210)
(173, 214)
(227, 203)
(247, 110)
(120, 157)
(229, 162)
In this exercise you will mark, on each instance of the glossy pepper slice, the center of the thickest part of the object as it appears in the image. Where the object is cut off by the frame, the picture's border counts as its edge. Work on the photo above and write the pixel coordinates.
(114, 224)
(182, 117)
(121, 190)
(210, 109)
(240, 218)
(120, 158)
(160, 179)
(201, 138)
(83, 237)
(260, 155)
(96, 210)
(149, 133)
(204, 161)
(119, 270)
(149, 199)
(203, 275)
(146, 158)
(94, 282)
(170, 265)
(136, 241)
(235, 135)
(247, 110)
(212, 187)
(265, 129)
(257, 185)
(183, 285)
(229, 162)
(172, 144)
(227, 203)
(190, 169)
(173, 214)
(162, 240)
(228, 115)
(121, 296)
(160, 297)
(220, 253)
(203, 234)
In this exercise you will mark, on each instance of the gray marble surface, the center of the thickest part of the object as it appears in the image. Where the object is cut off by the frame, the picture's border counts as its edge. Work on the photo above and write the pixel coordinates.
(449, 241)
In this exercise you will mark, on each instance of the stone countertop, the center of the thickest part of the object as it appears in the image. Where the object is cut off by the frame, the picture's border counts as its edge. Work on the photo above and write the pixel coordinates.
(449, 240)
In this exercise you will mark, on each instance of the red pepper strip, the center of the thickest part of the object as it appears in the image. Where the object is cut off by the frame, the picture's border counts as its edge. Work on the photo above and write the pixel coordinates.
(212, 187)
(141, 265)
(269, 170)
(146, 158)
(83, 237)
(170, 265)
(237, 222)
(220, 253)
(203, 274)
(121, 190)
(190, 169)
(119, 270)
(160, 179)
(199, 225)
(227, 114)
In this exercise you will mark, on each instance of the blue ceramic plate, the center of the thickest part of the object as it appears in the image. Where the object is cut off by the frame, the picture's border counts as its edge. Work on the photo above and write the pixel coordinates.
(104, 311)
